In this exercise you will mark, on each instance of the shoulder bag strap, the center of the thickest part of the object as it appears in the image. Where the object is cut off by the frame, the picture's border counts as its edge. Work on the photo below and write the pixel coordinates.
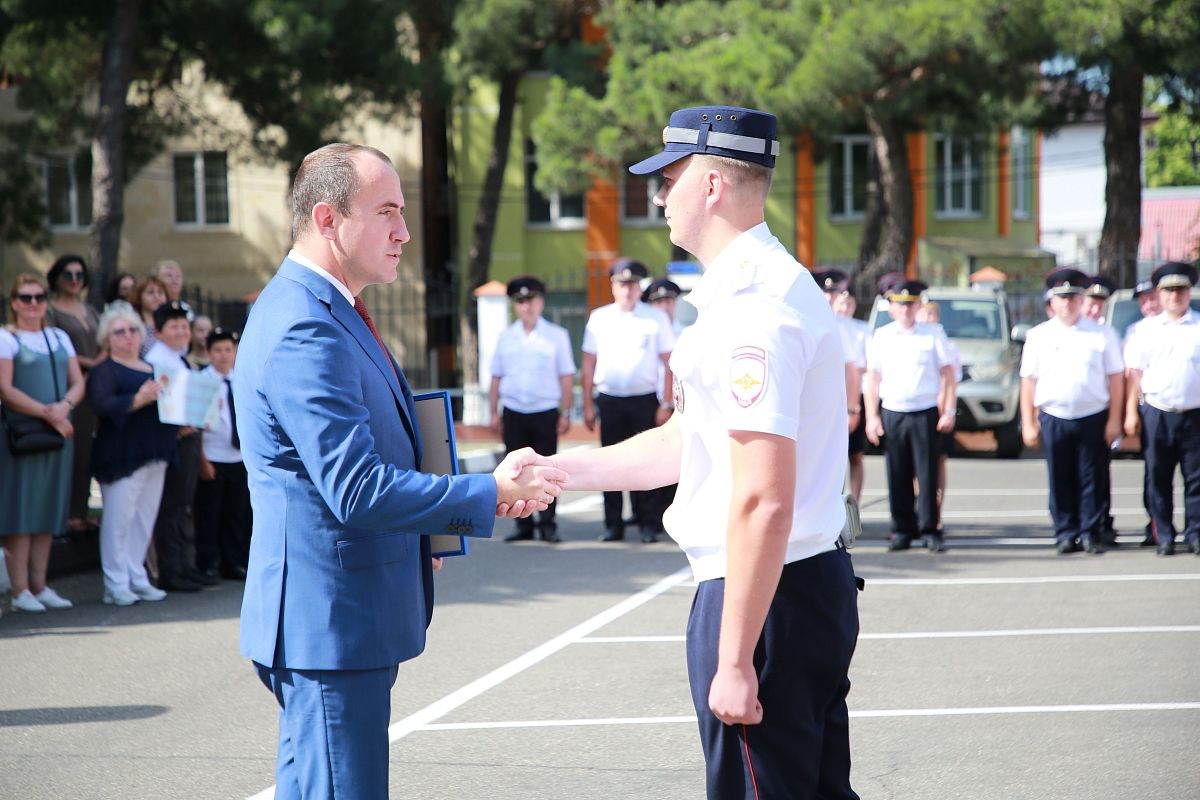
(53, 366)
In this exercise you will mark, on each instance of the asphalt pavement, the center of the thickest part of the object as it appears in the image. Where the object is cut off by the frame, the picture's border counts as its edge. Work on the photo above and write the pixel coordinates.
(995, 670)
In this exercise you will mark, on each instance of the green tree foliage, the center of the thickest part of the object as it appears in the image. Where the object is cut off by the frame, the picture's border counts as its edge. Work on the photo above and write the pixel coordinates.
(1173, 150)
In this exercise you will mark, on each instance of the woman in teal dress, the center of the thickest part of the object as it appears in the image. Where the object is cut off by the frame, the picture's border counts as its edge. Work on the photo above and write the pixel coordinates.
(40, 377)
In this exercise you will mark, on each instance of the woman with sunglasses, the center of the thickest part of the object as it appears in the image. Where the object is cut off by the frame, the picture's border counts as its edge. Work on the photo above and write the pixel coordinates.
(40, 377)
(68, 279)
(129, 457)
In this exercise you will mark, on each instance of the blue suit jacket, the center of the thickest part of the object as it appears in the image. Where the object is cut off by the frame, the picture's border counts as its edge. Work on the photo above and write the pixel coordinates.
(339, 574)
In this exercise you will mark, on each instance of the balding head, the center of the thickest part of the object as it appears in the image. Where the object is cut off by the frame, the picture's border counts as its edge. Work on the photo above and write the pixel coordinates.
(328, 175)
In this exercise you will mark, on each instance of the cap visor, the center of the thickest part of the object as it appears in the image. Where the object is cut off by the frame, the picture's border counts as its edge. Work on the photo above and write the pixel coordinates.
(657, 161)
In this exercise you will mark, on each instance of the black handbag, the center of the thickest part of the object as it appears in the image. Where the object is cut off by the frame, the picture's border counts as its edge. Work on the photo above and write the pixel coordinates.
(27, 435)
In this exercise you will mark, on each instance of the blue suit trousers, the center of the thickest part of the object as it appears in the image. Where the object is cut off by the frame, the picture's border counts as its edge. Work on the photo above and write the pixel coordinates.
(333, 732)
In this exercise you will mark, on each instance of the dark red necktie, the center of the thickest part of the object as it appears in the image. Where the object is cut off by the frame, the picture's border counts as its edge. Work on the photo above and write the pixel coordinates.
(361, 308)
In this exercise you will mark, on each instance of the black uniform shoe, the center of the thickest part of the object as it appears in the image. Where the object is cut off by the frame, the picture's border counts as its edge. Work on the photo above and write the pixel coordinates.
(613, 535)
(234, 573)
(519, 536)
(1166, 548)
(549, 532)
(206, 578)
(178, 585)
(1092, 545)
(935, 543)
(900, 541)
(1066, 546)
(649, 536)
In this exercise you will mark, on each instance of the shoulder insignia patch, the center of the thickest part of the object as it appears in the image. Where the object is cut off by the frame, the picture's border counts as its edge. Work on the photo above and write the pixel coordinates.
(748, 374)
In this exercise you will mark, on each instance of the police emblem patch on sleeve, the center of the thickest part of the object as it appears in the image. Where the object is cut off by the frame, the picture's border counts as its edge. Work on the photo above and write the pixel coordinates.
(748, 374)
(677, 393)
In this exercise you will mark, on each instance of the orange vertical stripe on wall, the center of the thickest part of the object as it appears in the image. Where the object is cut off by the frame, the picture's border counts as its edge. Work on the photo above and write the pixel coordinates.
(602, 239)
(806, 201)
(916, 169)
(1003, 160)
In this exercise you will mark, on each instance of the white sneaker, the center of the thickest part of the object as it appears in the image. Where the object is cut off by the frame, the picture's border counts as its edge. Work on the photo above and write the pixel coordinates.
(150, 594)
(51, 599)
(25, 601)
(120, 598)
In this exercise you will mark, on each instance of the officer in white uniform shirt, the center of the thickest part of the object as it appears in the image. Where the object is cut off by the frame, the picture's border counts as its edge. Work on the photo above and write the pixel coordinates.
(222, 507)
(855, 333)
(532, 374)
(911, 374)
(1072, 387)
(1095, 297)
(758, 444)
(624, 345)
(1164, 368)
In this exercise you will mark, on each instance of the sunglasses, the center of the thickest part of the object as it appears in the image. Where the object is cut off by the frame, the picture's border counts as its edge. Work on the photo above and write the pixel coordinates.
(40, 297)
(122, 331)
(73, 276)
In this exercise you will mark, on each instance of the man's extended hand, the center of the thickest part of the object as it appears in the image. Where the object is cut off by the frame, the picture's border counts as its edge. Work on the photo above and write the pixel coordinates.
(733, 696)
(526, 482)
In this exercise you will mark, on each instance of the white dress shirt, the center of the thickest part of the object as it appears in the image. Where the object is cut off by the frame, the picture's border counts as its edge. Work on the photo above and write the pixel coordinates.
(218, 438)
(1072, 365)
(909, 364)
(765, 355)
(531, 366)
(1168, 354)
(627, 346)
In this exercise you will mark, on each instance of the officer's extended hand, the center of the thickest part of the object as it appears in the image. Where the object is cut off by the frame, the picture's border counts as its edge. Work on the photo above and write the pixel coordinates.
(526, 482)
(874, 429)
(733, 696)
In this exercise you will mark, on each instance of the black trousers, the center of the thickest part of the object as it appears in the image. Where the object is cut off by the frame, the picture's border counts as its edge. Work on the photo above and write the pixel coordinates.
(538, 430)
(801, 749)
(620, 419)
(1172, 439)
(223, 519)
(1077, 459)
(174, 531)
(911, 452)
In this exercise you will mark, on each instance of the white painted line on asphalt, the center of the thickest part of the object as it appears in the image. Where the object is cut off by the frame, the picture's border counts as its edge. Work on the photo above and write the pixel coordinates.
(1168, 576)
(1126, 629)
(420, 719)
(1037, 491)
(881, 713)
(989, 515)
(1046, 541)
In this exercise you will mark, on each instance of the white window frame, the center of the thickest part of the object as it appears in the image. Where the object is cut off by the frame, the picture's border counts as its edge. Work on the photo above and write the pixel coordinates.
(657, 215)
(1021, 164)
(200, 192)
(557, 221)
(843, 149)
(945, 147)
(74, 191)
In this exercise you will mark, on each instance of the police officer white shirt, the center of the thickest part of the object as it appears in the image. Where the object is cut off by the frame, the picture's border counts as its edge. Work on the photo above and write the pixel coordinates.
(1168, 354)
(909, 364)
(217, 438)
(855, 334)
(764, 355)
(1071, 364)
(531, 365)
(1131, 333)
(628, 347)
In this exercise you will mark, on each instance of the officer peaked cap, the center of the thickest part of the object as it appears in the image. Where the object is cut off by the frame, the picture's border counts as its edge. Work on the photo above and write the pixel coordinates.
(627, 270)
(1174, 273)
(661, 289)
(1067, 281)
(907, 291)
(525, 286)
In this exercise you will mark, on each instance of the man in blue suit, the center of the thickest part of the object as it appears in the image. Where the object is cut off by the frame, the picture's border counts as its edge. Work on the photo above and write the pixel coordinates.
(339, 588)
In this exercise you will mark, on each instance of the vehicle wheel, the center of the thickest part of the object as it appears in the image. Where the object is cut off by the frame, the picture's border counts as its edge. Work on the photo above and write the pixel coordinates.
(1008, 439)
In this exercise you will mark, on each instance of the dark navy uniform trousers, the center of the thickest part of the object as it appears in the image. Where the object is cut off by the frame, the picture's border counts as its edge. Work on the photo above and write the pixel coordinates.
(801, 749)
(538, 430)
(1171, 439)
(622, 418)
(912, 451)
(1077, 459)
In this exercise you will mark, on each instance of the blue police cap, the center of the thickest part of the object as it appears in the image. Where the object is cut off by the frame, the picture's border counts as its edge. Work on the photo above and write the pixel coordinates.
(729, 131)
(907, 291)
(1101, 286)
(831, 280)
(1067, 281)
(628, 270)
(1172, 274)
(525, 286)
(1142, 287)
(661, 289)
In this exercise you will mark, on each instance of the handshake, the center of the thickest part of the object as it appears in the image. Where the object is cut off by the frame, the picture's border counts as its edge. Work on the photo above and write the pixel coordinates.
(526, 482)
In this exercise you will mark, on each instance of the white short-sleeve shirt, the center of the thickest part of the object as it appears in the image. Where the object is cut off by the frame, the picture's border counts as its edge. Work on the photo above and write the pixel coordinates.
(11, 341)
(1072, 365)
(627, 346)
(531, 365)
(1168, 354)
(166, 359)
(765, 354)
(909, 364)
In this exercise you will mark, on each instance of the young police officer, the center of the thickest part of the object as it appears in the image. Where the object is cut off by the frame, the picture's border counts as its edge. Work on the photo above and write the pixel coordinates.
(1164, 368)
(758, 445)
(1072, 373)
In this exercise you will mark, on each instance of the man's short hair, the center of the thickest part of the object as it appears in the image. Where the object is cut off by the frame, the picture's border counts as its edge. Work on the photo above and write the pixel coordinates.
(327, 175)
(740, 173)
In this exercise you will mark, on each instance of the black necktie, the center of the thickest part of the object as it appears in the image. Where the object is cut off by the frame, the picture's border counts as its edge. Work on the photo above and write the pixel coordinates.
(232, 415)
(186, 364)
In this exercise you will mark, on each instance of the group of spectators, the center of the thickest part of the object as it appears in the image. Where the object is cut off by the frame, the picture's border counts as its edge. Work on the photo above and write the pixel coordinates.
(176, 509)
